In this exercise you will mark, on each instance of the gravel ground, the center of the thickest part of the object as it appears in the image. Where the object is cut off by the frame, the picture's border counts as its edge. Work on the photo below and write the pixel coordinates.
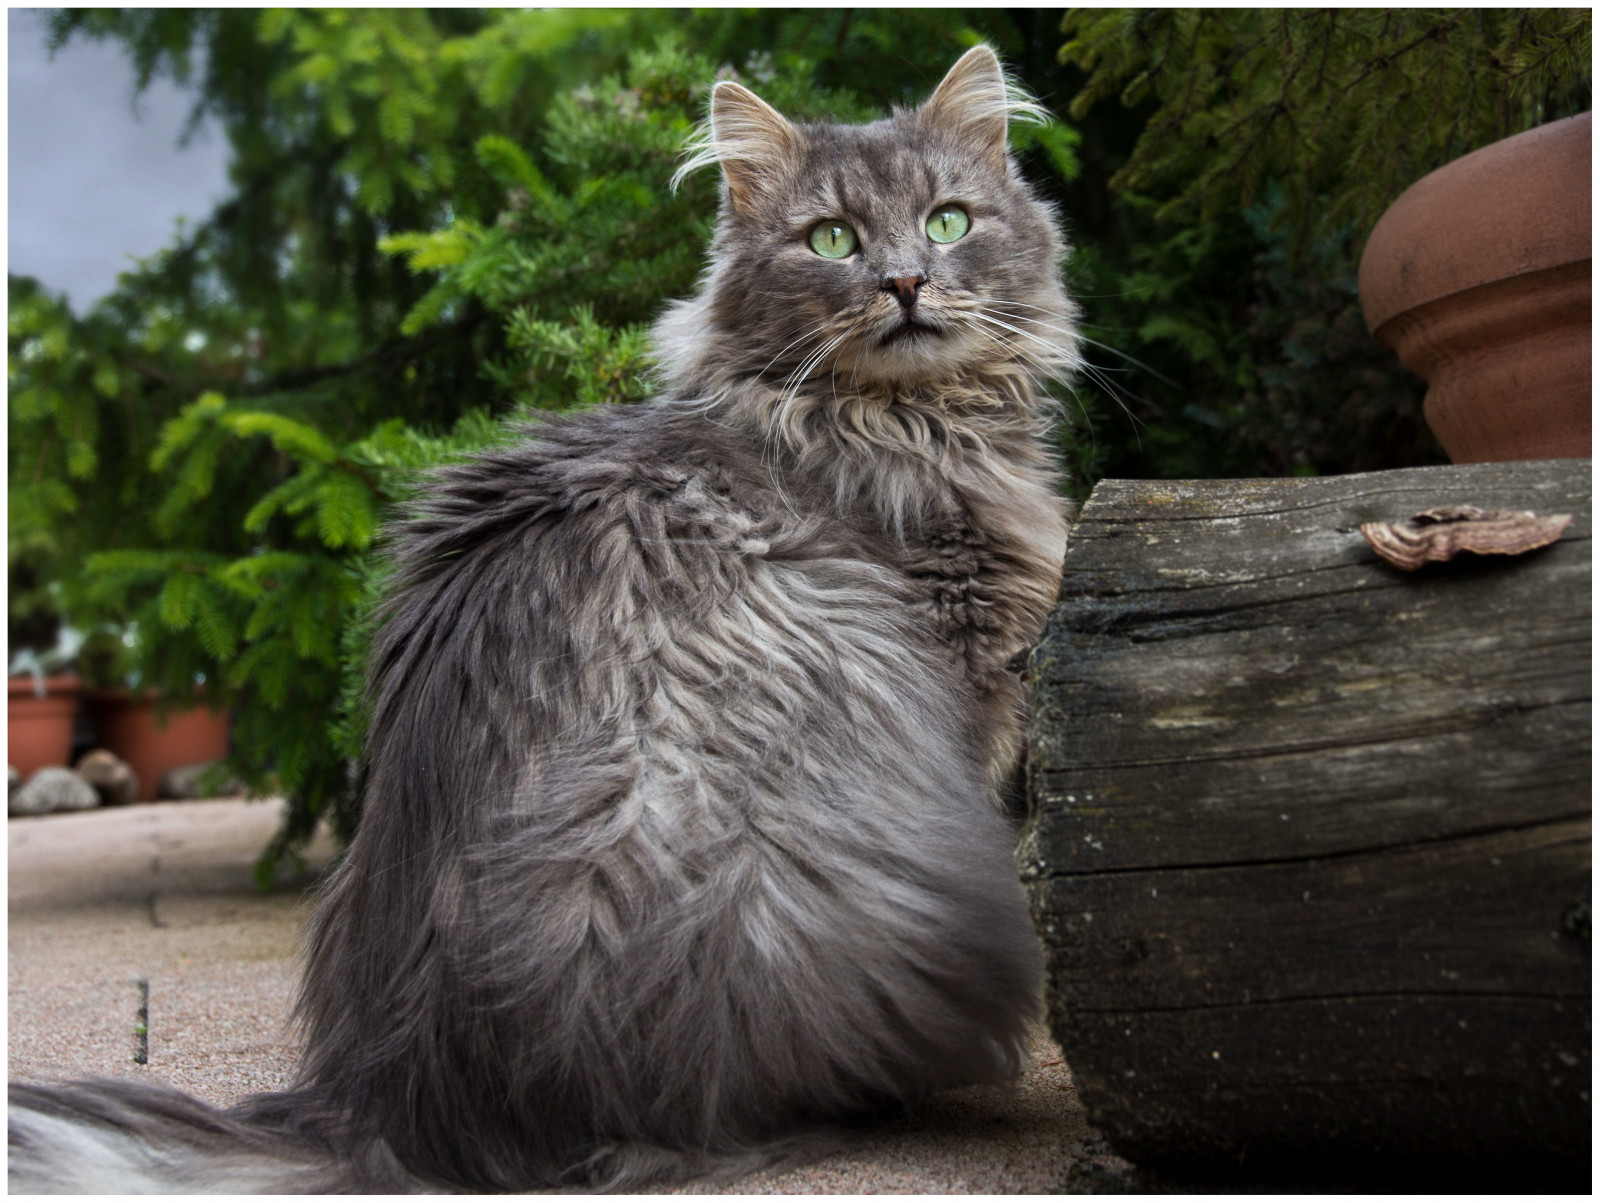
(161, 893)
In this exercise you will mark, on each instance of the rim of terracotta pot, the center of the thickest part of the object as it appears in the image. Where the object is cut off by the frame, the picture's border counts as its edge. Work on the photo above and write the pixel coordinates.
(1516, 206)
(60, 683)
(122, 693)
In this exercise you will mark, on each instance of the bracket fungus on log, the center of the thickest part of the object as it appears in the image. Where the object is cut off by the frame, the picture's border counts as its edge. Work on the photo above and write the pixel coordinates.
(1445, 531)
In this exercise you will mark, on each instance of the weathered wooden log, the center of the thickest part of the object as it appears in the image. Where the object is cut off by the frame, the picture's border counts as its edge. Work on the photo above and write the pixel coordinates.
(1309, 835)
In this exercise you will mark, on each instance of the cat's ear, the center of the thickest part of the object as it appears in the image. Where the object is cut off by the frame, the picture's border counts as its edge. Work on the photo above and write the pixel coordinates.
(972, 103)
(751, 140)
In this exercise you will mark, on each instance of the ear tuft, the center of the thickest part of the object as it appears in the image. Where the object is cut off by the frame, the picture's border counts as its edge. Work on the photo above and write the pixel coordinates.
(974, 103)
(750, 139)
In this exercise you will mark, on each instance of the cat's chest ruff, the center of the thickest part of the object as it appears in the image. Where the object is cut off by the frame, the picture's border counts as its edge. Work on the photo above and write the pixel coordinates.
(988, 570)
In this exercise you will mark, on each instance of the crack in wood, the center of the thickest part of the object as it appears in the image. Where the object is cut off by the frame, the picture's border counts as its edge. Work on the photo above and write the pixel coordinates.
(1454, 838)
(1129, 609)
(1182, 584)
(1299, 999)
(1464, 483)
(1462, 722)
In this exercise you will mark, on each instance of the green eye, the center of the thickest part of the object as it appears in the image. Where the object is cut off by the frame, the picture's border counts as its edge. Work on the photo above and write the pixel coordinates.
(832, 239)
(948, 224)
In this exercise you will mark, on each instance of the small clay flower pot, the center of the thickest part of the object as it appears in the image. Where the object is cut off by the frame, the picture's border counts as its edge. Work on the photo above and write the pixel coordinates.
(1479, 278)
(39, 726)
(129, 724)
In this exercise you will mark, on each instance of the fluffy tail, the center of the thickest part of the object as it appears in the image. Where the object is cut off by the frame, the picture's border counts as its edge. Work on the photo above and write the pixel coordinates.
(118, 1137)
(110, 1136)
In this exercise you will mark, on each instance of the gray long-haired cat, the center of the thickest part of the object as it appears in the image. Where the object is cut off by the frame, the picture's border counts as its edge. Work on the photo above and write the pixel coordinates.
(681, 841)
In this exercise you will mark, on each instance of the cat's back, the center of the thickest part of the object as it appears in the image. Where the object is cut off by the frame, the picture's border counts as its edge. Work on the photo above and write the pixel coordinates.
(608, 524)
(579, 472)
(626, 620)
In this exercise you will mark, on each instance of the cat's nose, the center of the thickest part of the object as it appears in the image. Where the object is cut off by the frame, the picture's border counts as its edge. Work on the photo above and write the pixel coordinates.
(904, 288)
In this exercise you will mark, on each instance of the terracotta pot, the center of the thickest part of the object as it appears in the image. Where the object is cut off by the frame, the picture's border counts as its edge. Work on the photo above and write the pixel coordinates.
(127, 725)
(1479, 277)
(39, 729)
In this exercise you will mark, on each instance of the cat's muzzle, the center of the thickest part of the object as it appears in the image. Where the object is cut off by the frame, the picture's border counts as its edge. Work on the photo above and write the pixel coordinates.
(910, 328)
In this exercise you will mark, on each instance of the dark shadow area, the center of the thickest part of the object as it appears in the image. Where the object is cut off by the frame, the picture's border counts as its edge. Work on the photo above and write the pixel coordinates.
(1337, 1175)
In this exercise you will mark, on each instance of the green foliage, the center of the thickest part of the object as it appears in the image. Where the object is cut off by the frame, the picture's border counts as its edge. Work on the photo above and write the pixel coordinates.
(1224, 353)
(577, 363)
(276, 633)
(79, 414)
(1343, 108)
(1058, 143)
(594, 234)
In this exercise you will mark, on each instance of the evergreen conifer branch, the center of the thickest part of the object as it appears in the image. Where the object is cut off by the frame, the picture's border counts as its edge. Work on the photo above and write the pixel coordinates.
(1342, 108)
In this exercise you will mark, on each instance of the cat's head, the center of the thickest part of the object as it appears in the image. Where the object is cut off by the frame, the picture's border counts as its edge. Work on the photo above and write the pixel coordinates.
(905, 250)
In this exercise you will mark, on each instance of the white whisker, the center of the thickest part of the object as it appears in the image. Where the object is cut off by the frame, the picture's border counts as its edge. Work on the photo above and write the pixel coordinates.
(781, 410)
(1104, 346)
